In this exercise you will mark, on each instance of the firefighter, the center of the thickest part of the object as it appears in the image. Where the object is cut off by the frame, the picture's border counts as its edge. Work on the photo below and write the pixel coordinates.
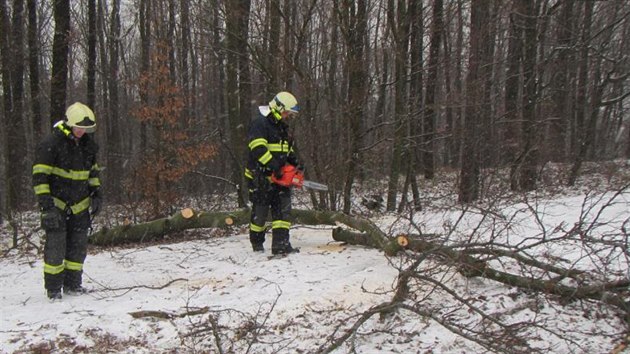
(67, 186)
(270, 148)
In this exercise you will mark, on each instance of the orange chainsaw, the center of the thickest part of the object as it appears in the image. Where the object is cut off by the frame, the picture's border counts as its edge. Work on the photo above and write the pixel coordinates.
(292, 177)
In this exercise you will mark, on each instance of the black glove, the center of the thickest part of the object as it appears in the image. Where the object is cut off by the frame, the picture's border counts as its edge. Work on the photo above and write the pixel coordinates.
(53, 219)
(46, 202)
(95, 203)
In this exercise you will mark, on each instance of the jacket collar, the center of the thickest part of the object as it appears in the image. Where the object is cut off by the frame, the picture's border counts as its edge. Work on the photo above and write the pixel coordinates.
(64, 129)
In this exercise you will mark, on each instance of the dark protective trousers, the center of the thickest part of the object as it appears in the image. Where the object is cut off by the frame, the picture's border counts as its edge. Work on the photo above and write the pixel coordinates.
(65, 251)
(278, 200)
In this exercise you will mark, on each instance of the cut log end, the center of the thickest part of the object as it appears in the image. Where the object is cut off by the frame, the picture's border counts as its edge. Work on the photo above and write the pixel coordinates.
(402, 240)
(187, 213)
(229, 221)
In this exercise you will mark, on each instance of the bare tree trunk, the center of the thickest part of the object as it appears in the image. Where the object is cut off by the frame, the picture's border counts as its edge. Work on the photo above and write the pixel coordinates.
(529, 170)
(33, 60)
(18, 179)
(104, 62)
(145, 61)
(352, 17)
(488, 154)
(91, 58)
(236, 26)
(581, 132)
(470, 170)
(430, 109)
(5, 52)
(61, 48)
(113, 125)
(273, 69)
(171, 40)
(185, 52)
(458, 122)
(511, 136)
(5, 56)
(415, 101)
(398, 17)
(582, 78)
(560, 84)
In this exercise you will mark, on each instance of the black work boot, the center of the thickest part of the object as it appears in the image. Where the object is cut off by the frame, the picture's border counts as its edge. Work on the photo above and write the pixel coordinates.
(286, 249)
(54, 295)
(258, 247)
(257, 239)
(75, 290)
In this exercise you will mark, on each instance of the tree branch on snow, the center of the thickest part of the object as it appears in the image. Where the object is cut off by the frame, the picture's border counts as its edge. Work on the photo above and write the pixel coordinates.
(473, 258)
(231, 330)
(168, 315)
(470, 266)
(130, 288)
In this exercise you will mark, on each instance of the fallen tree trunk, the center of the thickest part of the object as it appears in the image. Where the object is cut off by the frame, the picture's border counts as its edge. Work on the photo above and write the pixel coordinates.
(191, 219)
(156, 229)
(469, 266)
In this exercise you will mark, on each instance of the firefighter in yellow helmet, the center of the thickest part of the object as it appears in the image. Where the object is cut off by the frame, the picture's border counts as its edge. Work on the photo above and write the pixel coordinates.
(66, 182)
(270, 148)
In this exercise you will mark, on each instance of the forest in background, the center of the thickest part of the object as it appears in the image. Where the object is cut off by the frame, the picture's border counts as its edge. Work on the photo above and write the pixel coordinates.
(389, 91)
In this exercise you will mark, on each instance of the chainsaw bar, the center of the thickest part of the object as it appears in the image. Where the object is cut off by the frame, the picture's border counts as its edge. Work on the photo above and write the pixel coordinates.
(315, 186)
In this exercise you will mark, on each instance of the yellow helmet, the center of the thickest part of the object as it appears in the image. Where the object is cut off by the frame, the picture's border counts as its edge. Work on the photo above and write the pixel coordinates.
(81, 116)
(284, 101)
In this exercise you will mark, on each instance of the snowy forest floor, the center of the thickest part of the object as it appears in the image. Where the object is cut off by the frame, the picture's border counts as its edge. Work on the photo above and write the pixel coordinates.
(205, 291)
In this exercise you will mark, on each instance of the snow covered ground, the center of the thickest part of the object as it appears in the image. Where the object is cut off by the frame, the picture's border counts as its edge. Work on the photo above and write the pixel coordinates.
(184, 297)
(215, 275)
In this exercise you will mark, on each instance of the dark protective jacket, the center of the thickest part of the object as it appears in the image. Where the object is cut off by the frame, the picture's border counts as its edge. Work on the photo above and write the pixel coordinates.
(270, 146)
(65, 172)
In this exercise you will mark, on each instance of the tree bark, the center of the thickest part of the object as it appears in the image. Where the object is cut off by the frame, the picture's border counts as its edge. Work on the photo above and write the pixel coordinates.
(16, 188)
(430, 109)
(353, 24)
(236, 46)
(529, 170)
(112, 125)
(511, 136)
(5, 53)
(398, 17)
(186, 51)
(470, 166)
(578, 140)
(560, 84)
(91, 57)
(415, 100)
(144, 18)
(61, 48)
(33, 59)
